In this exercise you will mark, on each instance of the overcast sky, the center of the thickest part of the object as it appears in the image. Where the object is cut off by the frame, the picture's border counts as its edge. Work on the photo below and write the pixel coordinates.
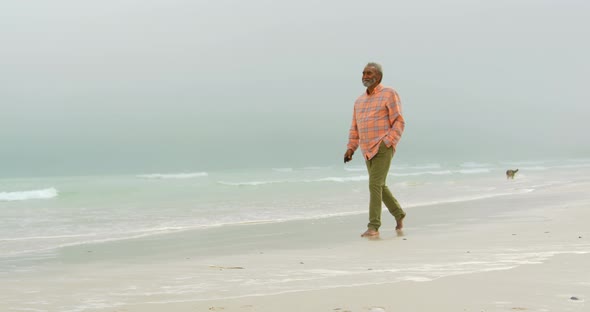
(171, 85)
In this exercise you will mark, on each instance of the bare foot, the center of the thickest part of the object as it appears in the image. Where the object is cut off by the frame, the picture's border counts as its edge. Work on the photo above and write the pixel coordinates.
(400, 223)
(370, 233)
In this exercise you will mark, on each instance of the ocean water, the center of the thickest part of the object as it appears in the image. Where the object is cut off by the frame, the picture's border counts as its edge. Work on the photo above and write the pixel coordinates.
(44, 214)
(107, 241)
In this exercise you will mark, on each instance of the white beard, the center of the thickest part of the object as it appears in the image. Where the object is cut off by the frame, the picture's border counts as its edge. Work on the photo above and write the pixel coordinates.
(369, 82)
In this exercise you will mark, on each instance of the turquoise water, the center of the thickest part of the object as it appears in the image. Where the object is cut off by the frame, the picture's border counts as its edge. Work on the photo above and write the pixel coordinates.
(109, 241)
(41, 215)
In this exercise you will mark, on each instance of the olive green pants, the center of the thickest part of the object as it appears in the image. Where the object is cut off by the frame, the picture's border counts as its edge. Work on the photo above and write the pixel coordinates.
(378, 167)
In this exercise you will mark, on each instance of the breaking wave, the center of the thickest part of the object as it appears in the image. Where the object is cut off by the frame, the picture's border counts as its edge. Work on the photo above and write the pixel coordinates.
(26, 195)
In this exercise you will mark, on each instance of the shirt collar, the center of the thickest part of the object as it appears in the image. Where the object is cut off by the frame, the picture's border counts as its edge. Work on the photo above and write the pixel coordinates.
(378, 88)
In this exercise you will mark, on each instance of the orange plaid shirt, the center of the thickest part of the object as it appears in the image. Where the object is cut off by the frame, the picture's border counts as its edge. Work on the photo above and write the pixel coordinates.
(377, 117)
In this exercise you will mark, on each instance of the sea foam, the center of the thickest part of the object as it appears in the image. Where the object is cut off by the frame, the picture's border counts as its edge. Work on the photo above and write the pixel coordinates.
(282, 169)
(326, 179)
(341, 179)
(173, 175)
(26, 195)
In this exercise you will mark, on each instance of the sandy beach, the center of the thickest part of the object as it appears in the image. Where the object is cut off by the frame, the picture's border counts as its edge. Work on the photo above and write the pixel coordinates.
(536, 257)
(520, 245)
(558, 284)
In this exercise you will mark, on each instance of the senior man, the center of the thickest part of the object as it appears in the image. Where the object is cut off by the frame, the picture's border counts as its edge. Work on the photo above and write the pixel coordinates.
(377, 126)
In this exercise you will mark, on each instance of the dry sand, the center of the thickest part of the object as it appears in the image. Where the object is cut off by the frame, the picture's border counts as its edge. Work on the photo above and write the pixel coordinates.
(539, 260)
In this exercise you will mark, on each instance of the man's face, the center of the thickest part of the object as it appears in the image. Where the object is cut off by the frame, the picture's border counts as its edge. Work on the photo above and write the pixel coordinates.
(370, 76)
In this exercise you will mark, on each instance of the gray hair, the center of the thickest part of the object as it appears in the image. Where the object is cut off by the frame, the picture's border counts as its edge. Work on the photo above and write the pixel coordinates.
(377, 66)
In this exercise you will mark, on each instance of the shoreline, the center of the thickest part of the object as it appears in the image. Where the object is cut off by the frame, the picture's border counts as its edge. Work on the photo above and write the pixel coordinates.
(464, 246)
(515, 247)
(502, 290)
(338, 201)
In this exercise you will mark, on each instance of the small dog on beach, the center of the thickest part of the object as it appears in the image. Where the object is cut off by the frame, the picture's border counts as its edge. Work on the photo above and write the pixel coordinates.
(510, 173)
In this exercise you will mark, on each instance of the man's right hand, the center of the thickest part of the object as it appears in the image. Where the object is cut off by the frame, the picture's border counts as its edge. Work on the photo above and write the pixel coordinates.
(348, 155)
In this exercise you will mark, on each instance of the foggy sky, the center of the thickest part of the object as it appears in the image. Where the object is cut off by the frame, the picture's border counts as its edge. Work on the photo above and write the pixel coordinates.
(165, 86)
